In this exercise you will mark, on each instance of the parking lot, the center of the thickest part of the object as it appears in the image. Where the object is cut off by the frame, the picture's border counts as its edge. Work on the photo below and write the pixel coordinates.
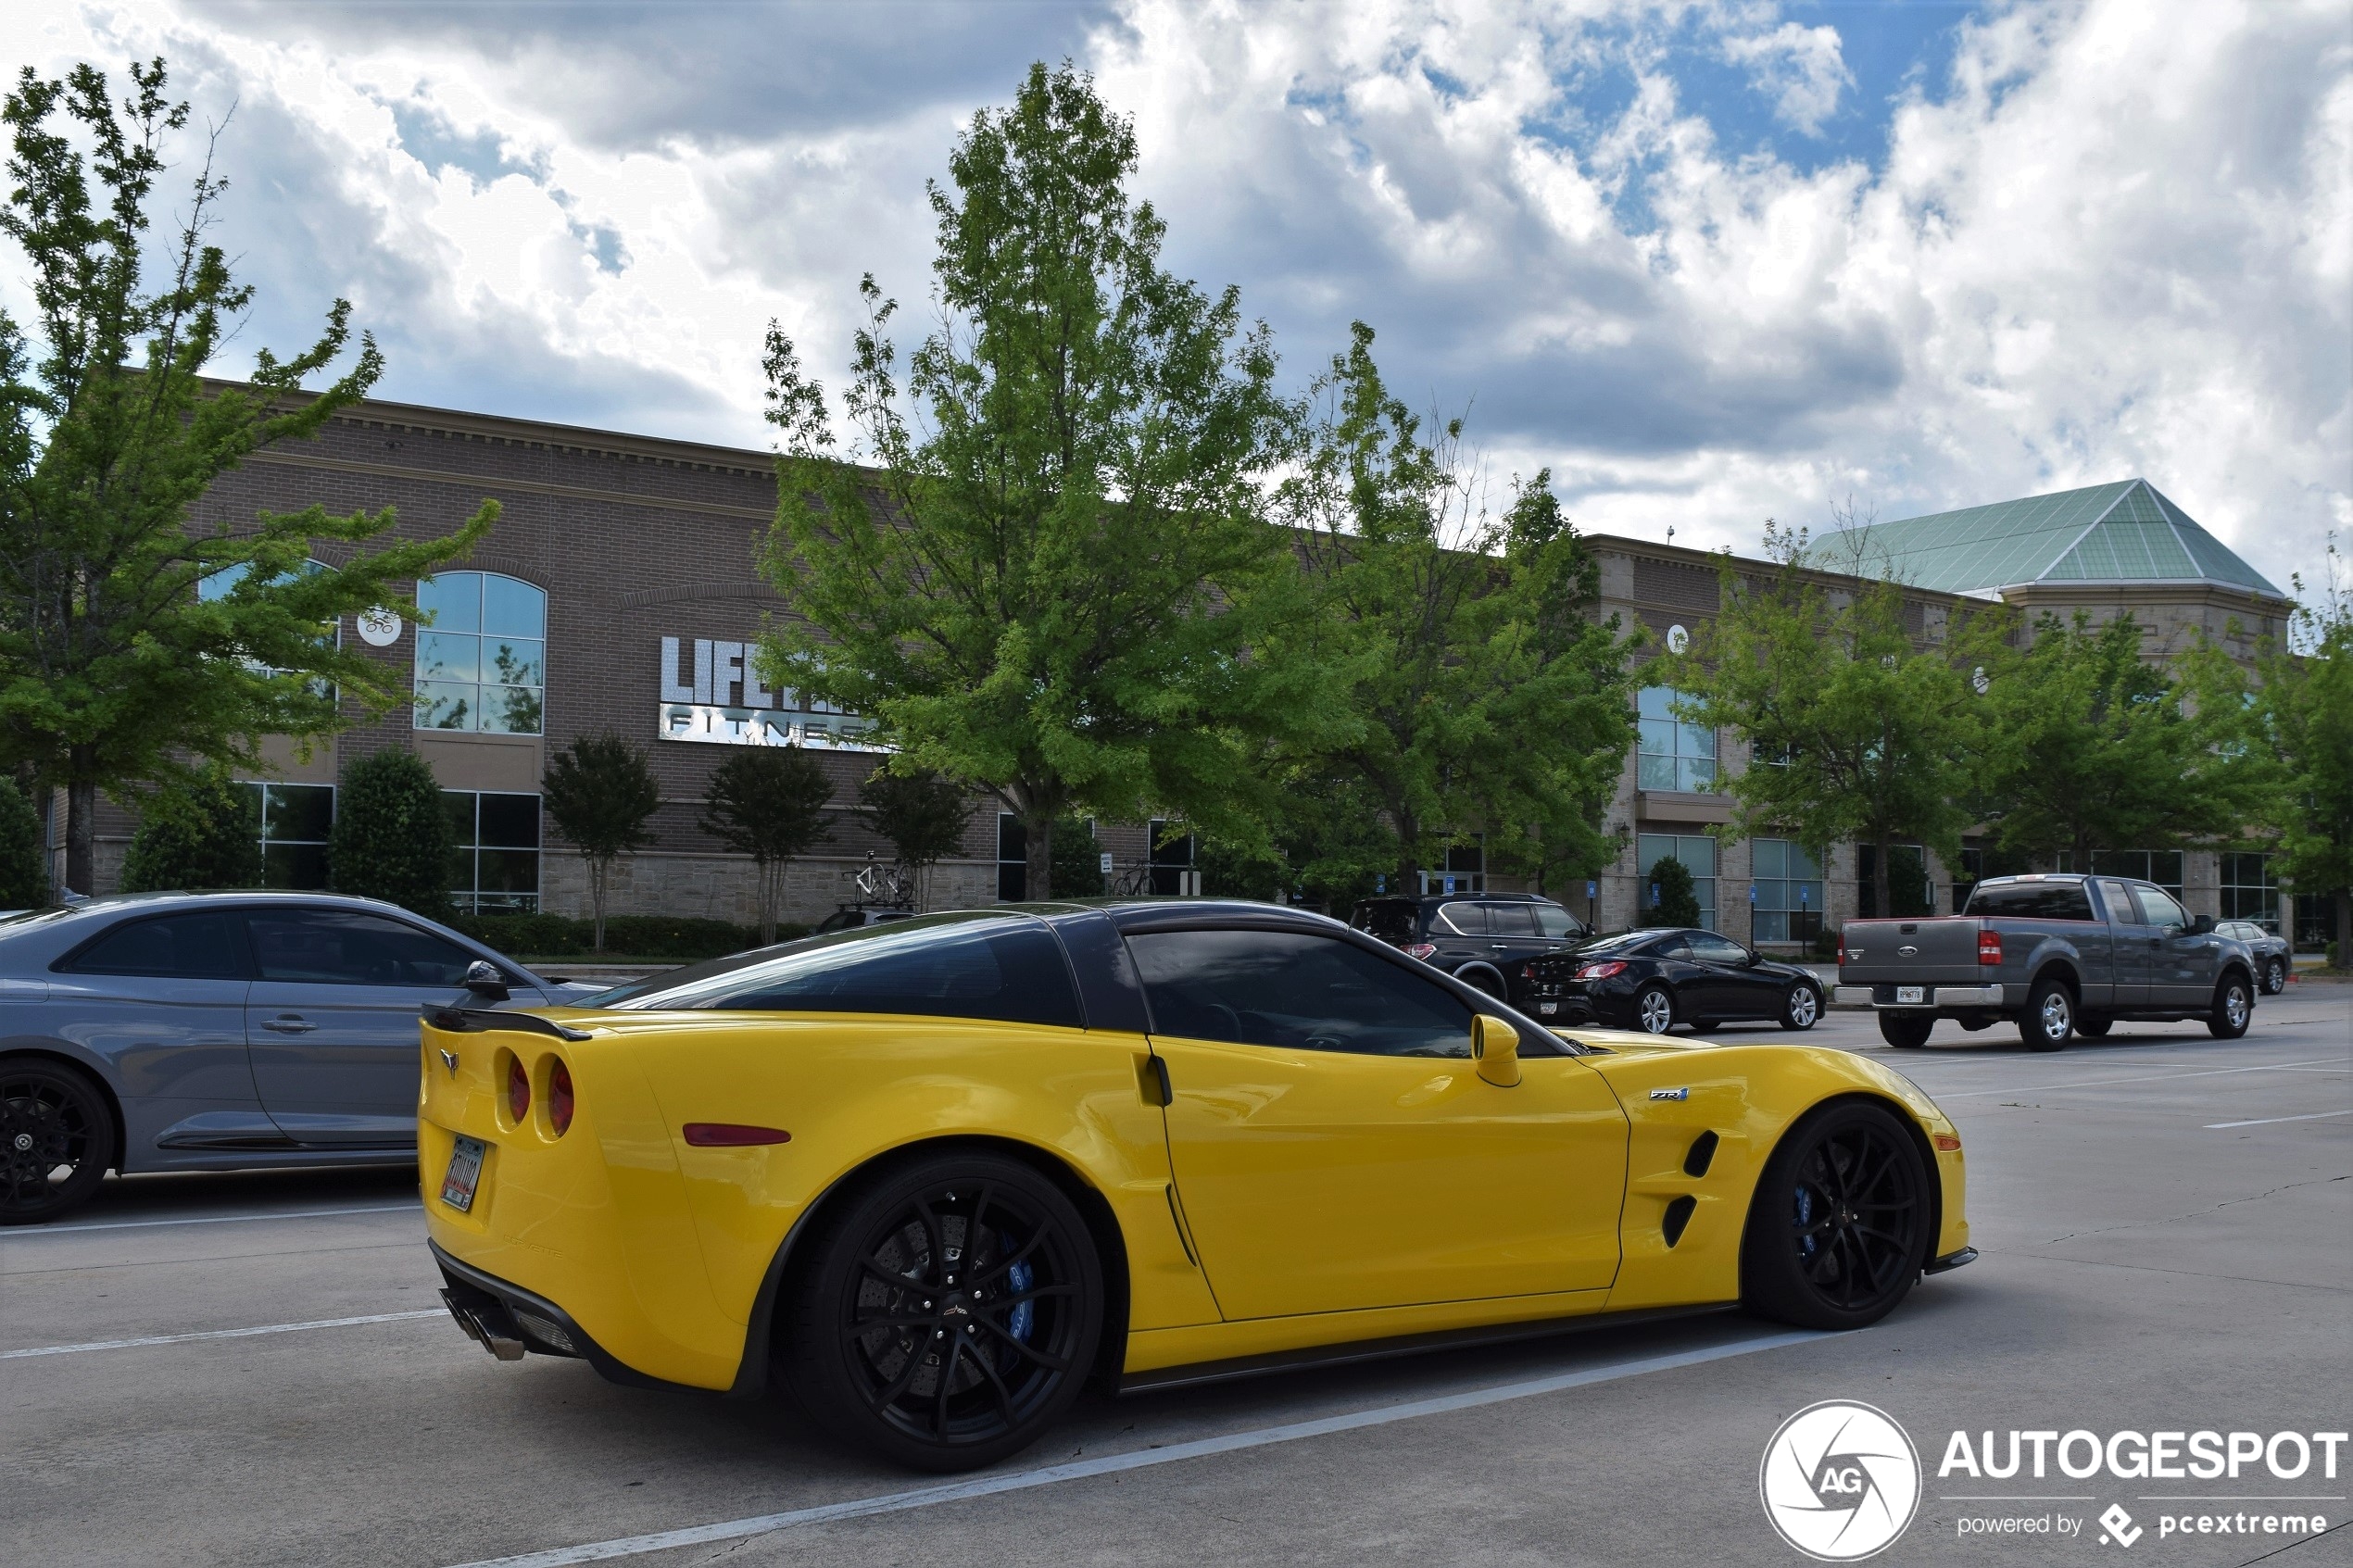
(256, 1370)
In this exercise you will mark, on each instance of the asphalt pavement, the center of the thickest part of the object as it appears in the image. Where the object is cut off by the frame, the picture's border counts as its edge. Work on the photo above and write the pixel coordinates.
(256, 1370)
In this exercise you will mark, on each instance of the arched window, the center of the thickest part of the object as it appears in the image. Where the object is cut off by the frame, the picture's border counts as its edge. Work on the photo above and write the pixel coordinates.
(483, 663)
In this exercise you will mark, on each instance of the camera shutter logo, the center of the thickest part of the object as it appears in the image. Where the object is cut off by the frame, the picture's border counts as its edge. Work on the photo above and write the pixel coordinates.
(1839, 1481)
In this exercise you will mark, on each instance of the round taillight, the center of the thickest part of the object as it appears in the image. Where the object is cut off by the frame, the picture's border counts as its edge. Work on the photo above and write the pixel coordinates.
(518, 1091)
(558, 1097)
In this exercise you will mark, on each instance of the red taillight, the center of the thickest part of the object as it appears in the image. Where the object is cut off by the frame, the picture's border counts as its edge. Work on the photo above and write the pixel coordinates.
(559, 1098)
(1421, 949)
(1989, 947)
(1842, 949)
(1602, 970)
(733, 1135)
(518, 1091)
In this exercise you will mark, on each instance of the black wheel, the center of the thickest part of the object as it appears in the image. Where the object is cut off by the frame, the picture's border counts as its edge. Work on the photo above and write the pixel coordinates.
(2094, 1026)
(1654, 1010)
(57, 1139)
(1838, 1229)
(1801, 1008)
(2233, 1008)
(1485, 984)
(2275, 976)
(949, 1311)
(1905, 1031)
(2049, 1018)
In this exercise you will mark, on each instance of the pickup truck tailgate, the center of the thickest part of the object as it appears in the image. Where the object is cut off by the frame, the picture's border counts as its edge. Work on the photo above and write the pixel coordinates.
(1939, 949)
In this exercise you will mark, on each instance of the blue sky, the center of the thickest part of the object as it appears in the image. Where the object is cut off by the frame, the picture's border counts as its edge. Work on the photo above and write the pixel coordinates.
(1707, 261)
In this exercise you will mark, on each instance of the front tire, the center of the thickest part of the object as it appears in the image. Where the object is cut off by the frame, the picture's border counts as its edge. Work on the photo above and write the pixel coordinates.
(1654, 1010)
(1803, 1006)
(57, 1139)
(1839, 1228)
(2049, 1019)
(949, 1313)
(2233, 1008)
(1905, 1031)
(2275, 977)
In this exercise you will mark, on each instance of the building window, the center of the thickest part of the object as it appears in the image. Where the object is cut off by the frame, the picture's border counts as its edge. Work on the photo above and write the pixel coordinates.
(2162, 867)
(1464, 872)
(222, 584)
(1907, 885)
(1169, 861)
(496, 866)
(297, 820)
(1788, 893)
(483, 664)
(1673, 755)
(2251, 888)
(1013, 858)
(1697, 852)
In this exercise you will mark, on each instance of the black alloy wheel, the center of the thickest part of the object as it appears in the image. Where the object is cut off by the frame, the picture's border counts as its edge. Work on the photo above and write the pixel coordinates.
(57, 1139)
(1654, 1010)
(1484, 983)
(2233, 1008)
(1839, 1228)
(1801, 1008)
(2095, 1026)
(1906, 1031)
(950, 1311)
(2048, 1021)
(2275, 976)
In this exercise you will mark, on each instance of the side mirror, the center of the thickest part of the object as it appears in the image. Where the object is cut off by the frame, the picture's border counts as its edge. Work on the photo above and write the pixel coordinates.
(2201, 925)
(484, 981)
(1495, 1047)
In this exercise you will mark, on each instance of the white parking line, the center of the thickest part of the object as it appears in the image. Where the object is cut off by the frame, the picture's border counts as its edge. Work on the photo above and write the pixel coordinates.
(222, 1333)
(28, 1232)
(2138, 1078)
(1109, 1464)
(2267, 1120)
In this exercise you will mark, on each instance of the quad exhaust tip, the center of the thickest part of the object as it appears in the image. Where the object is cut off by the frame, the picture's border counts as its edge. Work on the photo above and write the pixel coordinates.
(489, 1327)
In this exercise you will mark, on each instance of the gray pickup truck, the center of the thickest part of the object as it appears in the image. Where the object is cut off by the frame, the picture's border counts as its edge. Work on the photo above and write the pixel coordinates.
(2056, 955)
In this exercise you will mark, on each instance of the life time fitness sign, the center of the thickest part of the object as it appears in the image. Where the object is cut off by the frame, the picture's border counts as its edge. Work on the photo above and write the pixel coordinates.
(712, 694)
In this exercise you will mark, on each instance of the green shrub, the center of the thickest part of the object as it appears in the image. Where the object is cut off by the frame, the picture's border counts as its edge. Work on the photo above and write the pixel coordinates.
(24, 868)
(1667, 895)
(526, 933)
(392, 837)
(196, 836)
(1826, 943)
(683, 936)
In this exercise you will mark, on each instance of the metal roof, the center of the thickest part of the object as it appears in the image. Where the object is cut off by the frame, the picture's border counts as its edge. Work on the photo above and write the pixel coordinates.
(2124, 532)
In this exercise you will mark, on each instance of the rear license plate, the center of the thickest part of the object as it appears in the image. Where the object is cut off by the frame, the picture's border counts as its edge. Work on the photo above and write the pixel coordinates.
(1548, 1007)
(1911, 993)
(465, 1169)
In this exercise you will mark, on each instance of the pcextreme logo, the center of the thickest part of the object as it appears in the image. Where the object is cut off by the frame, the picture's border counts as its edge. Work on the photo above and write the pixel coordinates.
(1840, 1480)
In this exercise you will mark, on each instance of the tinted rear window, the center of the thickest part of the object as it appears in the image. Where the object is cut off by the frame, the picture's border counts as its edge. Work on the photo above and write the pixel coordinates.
(1389, 919)
(2031, 901)
(191, 946)
(991, 967)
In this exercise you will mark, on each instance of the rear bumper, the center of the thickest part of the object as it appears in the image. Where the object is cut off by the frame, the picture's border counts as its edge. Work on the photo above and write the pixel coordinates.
(509, 1322)
(1931, 996)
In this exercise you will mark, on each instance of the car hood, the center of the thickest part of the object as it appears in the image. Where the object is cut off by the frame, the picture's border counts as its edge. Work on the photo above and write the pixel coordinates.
(1632, 1042)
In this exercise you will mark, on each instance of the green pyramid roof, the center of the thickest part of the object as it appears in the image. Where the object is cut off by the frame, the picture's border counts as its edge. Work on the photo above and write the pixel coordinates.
(2121, 532)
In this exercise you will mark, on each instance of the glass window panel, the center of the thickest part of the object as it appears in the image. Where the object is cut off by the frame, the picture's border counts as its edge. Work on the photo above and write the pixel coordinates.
(194, 947)
(1695, 776)
(1295, 992)
(1771, 926)
(510, 822)
(1657, 772)
(513, 607)
(448, 656)
(1772, 857)
(1554, 920)
(1464, 920)
(1802, 864)
(1511, 919)
(453, 600)
(459, 804)
(303, 813)
(298, 867)
(507, 871)
(1650, 849)
(1658, 737)
(1698, 852)
(510, 710)
(337, 947)
(444, 706)
(512, 662)
(1656, 702)
(1694, 740)
(461, 873)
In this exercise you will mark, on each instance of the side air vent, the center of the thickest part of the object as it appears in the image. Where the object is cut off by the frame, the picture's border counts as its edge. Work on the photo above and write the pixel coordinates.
(1679, 1214)
(1702, 1151)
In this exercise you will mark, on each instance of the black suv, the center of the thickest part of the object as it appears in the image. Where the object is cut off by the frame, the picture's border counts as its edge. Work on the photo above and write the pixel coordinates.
(1482, 939)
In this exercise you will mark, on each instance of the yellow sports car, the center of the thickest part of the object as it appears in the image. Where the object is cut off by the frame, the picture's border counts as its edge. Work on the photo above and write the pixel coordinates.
(935, 1176)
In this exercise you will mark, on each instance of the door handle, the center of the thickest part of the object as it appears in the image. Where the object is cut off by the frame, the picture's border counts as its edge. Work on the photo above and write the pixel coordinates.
(2157, 941)
(287, 1023)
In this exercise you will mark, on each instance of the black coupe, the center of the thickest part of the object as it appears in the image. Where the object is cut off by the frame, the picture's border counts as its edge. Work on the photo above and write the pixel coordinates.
(1653, 980)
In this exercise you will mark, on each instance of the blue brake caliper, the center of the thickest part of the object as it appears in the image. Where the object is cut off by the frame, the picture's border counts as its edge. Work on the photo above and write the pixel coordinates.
(1017, 1323)
(1805, 1244)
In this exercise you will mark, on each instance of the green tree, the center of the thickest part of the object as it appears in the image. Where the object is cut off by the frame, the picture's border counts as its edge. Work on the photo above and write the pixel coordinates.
(113, 669)
(768, 802)
(193, 836)
(1858, 732)
(2091, 746)
(1481, 695)
(392, 838)
(1668, 895)
(921, 814)
(1055, 577)
(2305, 708)
(24, 862)
(1078, 860)
(599, 792)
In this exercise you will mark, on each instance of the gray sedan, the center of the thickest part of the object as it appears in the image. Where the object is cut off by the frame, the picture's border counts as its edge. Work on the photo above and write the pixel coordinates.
(220, 1031)
(2273, 956)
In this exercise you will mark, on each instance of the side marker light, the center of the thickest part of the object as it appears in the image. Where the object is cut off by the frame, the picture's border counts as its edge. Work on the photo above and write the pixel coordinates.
(731, 1134)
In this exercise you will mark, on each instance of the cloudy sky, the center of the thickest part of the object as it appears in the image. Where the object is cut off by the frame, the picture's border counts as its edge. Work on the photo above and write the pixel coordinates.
(1710, 262)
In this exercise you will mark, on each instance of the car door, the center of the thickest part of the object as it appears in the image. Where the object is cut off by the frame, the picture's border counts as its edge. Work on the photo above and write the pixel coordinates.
(1334, 1148)
(1458, 930)
(1672, 956)
(1513, 937)
(1734, 986)
(2183, 964)
(332, 1021)
(2133, 945)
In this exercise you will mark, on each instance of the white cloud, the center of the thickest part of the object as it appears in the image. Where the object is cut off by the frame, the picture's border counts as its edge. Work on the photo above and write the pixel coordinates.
(1802, 69)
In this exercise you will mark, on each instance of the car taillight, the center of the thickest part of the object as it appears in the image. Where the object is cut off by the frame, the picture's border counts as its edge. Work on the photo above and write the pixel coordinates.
(1842, 949)
(559, 1098)
(1989, 947)
(518, 1091)
(1421, 949)
(1602, 970)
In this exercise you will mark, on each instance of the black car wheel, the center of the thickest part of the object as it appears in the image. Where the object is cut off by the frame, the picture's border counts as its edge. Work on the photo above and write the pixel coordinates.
(1906, 1031)
(1802, 1008)
(2275, 976)
(2094, 1026)
(57, 1139)
(949, 1313)
(2049, 1018)
(1654, 1010)
(1484, 982)
(1838, 1229)
(2233, 1008)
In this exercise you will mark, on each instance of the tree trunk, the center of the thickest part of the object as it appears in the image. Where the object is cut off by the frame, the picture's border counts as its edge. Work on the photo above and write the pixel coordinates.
(772, 879)
(1883, 853)
(600, 867)
(1038, 874)
(81, 834)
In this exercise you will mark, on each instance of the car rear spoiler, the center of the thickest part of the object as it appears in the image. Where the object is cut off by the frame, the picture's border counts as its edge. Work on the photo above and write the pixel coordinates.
(476, 1020)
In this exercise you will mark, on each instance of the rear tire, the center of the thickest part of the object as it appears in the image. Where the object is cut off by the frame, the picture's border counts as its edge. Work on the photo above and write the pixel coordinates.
(2094, 1026)
(1654, 1010)
(1801, 1008)
(948, 1314)
(1485, 984)
(1838, 1227)
(2233, 1008)
(2049, 1019)
(57, 1139)
(1905, 1031)
(2275, 977)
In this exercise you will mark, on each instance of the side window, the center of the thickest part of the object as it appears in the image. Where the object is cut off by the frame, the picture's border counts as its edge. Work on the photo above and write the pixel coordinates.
(1511, 919)
(1461, 920)
(191, 946)
(1554, 920)
(1670, 947)
(1012, 970)
(2159, 910)
(345, 948)
(1718, 949)
(2118, 902)
(1294, 991)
